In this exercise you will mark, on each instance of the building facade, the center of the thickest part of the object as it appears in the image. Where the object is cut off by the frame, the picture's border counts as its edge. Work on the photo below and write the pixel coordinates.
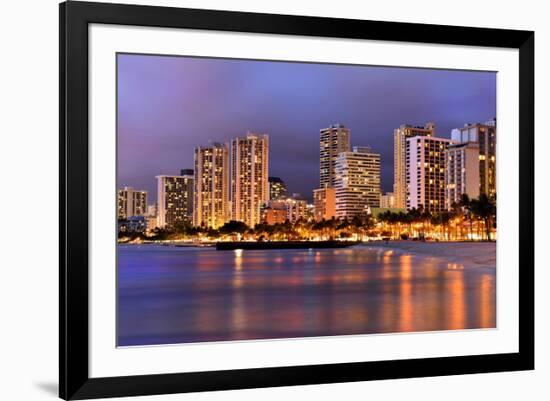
(271, 215)
(400, 136)
(133, 225)
(425, 157)
(131, 202)
(211, 186)
(152, 223)
(387, 200)
(296, 209)
(485, 135)
(357, 186)
(249, 177)
(324, 201)
(461, 172)
(152, 210)
(174, 200)
(333, 141)
(277, 188)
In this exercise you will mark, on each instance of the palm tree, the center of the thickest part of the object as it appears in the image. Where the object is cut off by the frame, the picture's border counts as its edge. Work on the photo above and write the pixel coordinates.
(415, 216)
(233, 228)
(404, 218)
(442, 219)
(466, 205)
(456, 213)
(484, 208)
(384, 218)
(426, 218)
(388, 218)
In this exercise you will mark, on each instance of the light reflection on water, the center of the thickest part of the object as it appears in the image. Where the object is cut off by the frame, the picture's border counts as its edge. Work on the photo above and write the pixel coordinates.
(178, 295)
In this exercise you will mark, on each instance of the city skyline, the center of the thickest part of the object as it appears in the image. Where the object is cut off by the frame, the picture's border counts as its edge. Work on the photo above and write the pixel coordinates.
(168, 106)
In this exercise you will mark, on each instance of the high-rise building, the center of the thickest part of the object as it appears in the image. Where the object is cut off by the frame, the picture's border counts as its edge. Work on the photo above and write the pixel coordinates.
(461, 172)
(425, 157)
(333, 141)
(174, 200)
(249, 177)
(212, 207)
(277, 188)
(400, 136)
(151, 222)
(387, 200)
(152, 210)
(485, 136)
(324, 201)
(131, 202)
(310, 212)
(296, 209)
(357, 182)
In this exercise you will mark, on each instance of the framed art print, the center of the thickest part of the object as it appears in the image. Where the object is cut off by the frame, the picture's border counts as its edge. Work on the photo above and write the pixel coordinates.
(254, 200)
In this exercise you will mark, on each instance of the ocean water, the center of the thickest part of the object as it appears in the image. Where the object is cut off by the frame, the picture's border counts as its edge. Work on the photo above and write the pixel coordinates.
(170, 295)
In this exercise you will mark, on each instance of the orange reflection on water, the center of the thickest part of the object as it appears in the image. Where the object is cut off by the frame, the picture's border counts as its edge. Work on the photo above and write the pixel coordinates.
(238, 259)
(239, 316)
(386, 264)
(457, 303)
(239, 295)
(387, 310)
(317, 257)
(486, 304)
(238, 281)
(405, 292)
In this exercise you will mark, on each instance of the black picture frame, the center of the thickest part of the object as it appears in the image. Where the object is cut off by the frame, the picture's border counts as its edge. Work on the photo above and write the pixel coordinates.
(74, 379)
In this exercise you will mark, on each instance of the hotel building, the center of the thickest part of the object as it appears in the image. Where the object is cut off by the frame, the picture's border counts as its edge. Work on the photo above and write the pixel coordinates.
(152, 210)
(387, 200)
(310, 212)
(400, 136)
(296, 209)
(277, 188)
(272, 215)
(425, 157)
(211, 189)
(249, 177)
(461, 172)
(357, 183)
(333, 141)
(131, 202)
(485, 136)
(174, 200)
(324, 201)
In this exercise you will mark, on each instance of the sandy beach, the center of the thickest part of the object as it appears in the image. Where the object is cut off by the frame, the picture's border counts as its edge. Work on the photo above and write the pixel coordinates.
(470, 254)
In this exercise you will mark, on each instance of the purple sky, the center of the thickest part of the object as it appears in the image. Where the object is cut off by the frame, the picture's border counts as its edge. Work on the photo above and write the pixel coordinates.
(168, 105)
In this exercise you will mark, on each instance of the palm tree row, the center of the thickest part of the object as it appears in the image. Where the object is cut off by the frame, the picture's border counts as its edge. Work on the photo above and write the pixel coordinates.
(467, 219)
(358, 228)
(448, 225)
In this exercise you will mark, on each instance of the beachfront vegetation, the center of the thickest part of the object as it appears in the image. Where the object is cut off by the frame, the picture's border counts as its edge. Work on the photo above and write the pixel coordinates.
(469, 219)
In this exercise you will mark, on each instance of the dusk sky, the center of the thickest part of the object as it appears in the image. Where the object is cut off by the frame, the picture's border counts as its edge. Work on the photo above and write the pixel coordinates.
(168, 105)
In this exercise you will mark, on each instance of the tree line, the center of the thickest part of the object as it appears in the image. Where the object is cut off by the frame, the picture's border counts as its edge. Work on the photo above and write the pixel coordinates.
(477, 215)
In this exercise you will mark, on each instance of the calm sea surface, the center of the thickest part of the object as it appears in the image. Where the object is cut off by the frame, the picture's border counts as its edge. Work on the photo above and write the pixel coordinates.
(178, 295)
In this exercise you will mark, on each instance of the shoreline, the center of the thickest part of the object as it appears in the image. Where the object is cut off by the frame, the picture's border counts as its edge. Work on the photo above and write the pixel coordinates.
(470, 254)
(252, 245)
